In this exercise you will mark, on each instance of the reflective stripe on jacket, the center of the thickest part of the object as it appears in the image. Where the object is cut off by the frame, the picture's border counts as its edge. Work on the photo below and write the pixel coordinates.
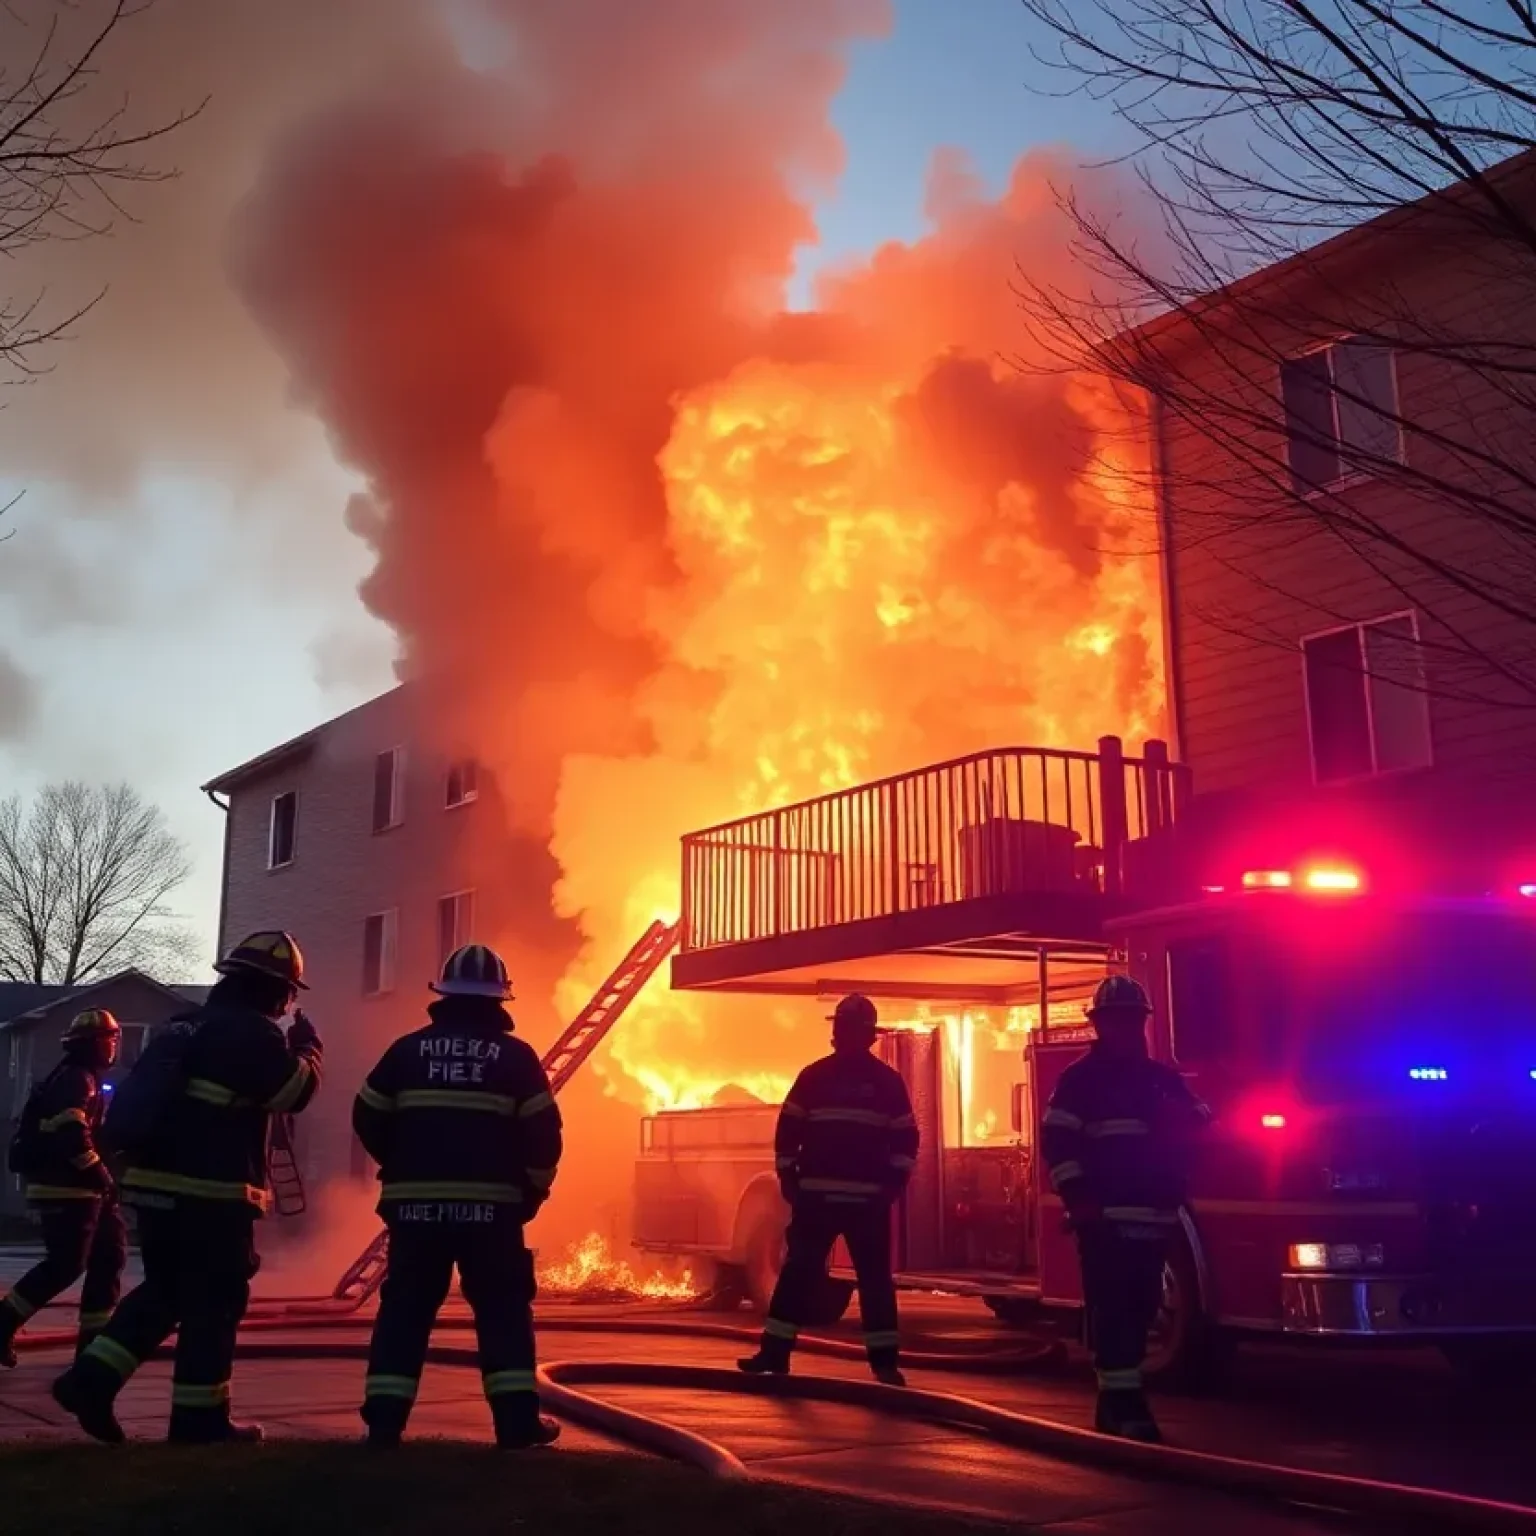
(846, 1130)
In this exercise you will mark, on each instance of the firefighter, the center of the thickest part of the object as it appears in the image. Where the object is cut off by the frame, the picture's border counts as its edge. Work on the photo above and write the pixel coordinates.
(1114, 1139)
(461, 1120)
(197, 1187)
(845, 1146)
(68, 1183)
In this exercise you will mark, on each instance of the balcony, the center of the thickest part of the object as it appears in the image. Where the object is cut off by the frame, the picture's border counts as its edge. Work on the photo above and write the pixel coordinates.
(952, 881)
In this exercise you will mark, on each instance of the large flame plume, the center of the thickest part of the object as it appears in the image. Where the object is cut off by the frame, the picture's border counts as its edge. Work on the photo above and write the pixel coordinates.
(681, 553)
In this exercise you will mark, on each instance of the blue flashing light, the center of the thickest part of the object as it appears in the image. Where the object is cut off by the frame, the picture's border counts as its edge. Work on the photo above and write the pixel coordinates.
(1431, 1074)
(107, 1087)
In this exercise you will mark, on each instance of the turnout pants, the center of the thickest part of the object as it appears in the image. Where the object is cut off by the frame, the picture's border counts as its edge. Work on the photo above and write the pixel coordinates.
(815, 1225)
(1122, 1289)
(80, 1237)
(199, 1257)
(496, 1276)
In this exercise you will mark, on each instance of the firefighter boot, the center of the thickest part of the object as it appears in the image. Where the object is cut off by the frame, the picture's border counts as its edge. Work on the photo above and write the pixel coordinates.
(1123, 1412)
(888, 1373)
(205, 1426)
(520, 1426)
(386, 1419)
(10, 1325)
(86, 1393)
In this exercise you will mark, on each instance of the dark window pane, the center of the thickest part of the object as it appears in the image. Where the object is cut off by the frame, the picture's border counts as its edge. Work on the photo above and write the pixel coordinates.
(1307, 392)
(1366, 397)
(384, 809)
(1394, 660)
(1336, 708)
(285, 813)
(1200, 1001)
(373, 953)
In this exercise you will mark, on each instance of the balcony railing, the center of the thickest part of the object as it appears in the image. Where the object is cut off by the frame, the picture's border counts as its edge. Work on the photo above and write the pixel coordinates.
(1012, 821)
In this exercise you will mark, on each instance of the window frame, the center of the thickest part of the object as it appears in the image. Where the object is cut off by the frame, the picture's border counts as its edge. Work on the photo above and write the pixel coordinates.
(396, 755)
(1360, 626)
(460, 938)
(389, 952)
(458, 765)
(273, 862)
(1171, 1001)
(1348, 475)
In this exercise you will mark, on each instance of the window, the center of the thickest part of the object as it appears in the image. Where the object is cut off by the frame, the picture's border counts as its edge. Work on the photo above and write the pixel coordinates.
(283, 831)
(1367, 705)
(135, 1037)
(389, 789)
(1340, 412)
(463, 782)
(455, 919)
(1200, 1001)
(379, 943)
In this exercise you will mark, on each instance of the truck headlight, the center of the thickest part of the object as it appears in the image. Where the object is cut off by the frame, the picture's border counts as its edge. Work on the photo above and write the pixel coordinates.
(1335, 1255)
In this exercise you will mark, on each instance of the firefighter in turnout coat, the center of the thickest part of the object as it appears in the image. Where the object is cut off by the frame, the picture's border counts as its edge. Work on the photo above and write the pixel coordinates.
(1115, 1139)
(69, 1186)
(846, 1145)
(461, 1120)
(197, 1185)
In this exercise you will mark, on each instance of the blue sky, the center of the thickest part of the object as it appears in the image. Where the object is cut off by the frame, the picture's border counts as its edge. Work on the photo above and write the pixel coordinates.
(229, 617)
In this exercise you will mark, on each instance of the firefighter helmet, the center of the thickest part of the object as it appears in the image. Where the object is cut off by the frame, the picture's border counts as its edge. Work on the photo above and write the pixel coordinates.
(92, 1024)
(1120, 994)
(272, 953)
(474, 971)
(855, 1017)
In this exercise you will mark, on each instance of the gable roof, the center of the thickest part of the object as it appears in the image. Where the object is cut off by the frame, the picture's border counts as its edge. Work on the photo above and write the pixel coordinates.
(292, 751)
(1508, 177)
(24, 1001)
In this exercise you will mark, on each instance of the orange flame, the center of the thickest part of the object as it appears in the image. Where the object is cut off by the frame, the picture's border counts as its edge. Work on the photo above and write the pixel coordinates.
(590, 1269)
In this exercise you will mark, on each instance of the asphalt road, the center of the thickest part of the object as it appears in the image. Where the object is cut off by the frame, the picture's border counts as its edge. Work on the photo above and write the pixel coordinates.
(1399, 1416)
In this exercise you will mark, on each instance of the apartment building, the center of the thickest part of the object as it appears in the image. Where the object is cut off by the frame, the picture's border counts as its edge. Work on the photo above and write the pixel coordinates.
(1346, 477)
(381, 855)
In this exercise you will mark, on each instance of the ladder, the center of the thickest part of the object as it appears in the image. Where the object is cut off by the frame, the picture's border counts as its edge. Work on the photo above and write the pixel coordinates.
(560, 1062)
(283, 1169)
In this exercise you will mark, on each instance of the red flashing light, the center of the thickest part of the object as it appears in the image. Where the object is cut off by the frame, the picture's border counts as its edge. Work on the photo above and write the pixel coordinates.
(1267, 880)
(1272, 1122)
(1528, 889)
(1321, 879)
(1220, 890)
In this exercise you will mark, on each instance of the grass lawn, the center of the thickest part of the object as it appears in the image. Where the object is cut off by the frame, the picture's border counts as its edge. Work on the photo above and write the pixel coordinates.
(434, 1488)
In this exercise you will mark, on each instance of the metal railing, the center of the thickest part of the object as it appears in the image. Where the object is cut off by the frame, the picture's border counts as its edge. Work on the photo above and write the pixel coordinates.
(1010, 821)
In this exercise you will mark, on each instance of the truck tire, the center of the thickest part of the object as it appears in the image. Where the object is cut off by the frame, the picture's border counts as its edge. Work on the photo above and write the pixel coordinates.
(1015, 1311)
(1185, 1351)
(765, 1258)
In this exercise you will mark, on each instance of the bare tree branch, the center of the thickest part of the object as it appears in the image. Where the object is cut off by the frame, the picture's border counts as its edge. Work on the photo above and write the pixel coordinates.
(66, 150)
(85, 875)
(1265, 132)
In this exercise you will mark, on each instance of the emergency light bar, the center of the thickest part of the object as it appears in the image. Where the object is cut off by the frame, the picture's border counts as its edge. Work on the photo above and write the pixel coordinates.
(1322, 878)
(1428, 1074)
(1528, 888)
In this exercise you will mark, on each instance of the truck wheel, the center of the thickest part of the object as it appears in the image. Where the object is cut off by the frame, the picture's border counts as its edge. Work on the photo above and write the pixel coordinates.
(1185, 1352)
(1015, 1311)
(831, 1302)
(765, 1258)
(727, 1289)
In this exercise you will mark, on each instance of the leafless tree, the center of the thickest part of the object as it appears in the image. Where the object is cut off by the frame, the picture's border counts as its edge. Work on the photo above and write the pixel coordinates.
(1262, 133)
(85, 874)
(68, 146)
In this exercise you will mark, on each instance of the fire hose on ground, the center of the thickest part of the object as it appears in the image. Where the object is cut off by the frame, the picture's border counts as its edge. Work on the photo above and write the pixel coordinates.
(560, 1385)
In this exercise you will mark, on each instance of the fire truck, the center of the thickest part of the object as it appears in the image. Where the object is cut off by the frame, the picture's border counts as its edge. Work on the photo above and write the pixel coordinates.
(1368, 1045)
